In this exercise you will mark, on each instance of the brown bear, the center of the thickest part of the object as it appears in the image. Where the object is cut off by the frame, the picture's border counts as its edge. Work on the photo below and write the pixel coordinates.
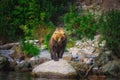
(57, 43)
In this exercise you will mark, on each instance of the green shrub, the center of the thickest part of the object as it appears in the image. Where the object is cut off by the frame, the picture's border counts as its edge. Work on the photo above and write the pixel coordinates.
(70, 43)
(19, 18)
(30, 49)
(109, 24)
(80, 25)
(43, 33)
(46, 41)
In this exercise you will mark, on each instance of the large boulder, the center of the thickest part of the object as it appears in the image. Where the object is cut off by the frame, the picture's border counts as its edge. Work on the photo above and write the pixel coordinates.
(55, 69)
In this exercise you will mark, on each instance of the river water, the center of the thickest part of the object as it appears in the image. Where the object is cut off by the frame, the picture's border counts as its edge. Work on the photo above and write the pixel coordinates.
(21, 76)
(27, 76)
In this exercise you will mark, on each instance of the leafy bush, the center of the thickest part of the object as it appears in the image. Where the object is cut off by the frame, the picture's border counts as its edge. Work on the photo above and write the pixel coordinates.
(109, 24)
(9, 30)
(43, 33)
(50, 10)
(46, 41)
(70, 43)
(30, 49)
(80, 25)
(19, 18)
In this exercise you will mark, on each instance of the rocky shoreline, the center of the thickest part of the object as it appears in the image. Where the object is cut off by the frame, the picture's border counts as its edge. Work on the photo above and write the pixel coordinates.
(87, 58)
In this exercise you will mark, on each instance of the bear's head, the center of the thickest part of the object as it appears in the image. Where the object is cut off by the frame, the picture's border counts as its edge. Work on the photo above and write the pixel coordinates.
(59, 34)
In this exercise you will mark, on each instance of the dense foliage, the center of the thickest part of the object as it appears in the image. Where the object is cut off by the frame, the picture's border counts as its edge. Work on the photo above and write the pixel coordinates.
(18, 18)
(109, 25)
(30, 49)
(80, 25)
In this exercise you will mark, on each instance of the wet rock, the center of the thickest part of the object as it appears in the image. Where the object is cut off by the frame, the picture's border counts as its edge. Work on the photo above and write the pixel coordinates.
(104, 58)
(111, 68)
(23, 66)
(28, 65)
(13, 65)
(4, 64)
(79, 66)
(38, 61)
(55, 69)
(112, 78)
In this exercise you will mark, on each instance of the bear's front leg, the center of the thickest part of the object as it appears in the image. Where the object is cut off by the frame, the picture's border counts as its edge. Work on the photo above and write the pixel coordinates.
(52, 54)
(61, 53)
(56, 57)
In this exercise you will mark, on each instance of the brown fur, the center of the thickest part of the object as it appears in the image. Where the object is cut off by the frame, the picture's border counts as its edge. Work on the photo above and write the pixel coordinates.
(57, 43)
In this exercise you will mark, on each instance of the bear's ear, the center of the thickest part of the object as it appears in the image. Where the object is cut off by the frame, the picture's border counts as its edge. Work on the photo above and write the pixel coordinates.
(64, 33)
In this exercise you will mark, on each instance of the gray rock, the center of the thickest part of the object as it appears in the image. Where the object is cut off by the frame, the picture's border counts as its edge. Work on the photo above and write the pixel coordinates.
(43, 54)
(86, 48)
(32, 41)
(28, 65)
(38, 61)
(6, 51)
(6, 54)
(67, 56)
(104, 58)
(111, 68)
(55, 69)
(24, 66)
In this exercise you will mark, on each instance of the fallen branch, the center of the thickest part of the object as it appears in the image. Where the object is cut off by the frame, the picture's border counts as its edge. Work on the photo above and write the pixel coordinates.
(8, 46)
(87, 73)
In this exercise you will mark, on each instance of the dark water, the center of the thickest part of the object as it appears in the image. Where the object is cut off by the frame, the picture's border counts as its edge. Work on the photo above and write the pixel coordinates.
(21, 76)
(27, 76)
